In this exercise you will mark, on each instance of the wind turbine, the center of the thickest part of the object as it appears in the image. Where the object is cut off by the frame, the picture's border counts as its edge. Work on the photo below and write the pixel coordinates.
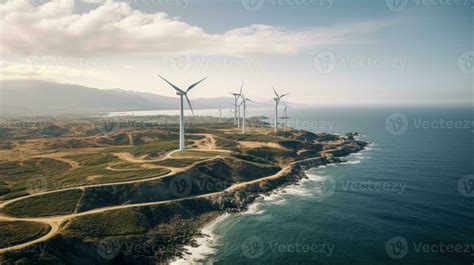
(244, 101)
(277, 101)
(236, 98)
(181, 93)
(220, 113)
(285, 117)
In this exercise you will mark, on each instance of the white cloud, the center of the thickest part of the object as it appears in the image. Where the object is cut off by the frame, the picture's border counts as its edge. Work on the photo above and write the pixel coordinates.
(115, 28)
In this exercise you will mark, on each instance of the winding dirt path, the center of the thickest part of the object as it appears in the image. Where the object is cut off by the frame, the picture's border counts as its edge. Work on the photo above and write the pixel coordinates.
(55, 222)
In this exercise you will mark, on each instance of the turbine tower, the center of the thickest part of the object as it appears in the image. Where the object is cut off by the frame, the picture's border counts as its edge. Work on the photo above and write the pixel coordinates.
(181, 93)
(244, 103)
(220, 113)
(236, 98)
(277, 101)
(285, 116)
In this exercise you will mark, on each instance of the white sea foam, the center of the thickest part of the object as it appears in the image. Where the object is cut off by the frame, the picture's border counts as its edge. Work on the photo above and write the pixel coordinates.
(207, 244)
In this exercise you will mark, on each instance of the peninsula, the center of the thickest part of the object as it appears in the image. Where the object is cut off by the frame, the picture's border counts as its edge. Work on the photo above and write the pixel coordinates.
(100, 191)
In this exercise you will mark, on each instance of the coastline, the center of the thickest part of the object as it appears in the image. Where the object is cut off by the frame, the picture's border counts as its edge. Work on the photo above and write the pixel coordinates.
(205, 239)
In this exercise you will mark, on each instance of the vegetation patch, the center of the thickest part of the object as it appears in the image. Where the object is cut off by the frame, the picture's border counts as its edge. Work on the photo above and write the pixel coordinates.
(110, 223)
(17, 171)
(194, 154)
(183, 162)
(17, 232)
(57, 203)
(94, 159)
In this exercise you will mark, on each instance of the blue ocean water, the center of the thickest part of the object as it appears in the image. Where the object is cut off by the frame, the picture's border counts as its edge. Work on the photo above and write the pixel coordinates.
(405, 200)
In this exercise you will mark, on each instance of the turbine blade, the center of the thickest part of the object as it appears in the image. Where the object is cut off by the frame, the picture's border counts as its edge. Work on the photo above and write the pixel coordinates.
(195, 84)
(284, 95)
(175, 87)
(241, 87)
(275, 92)
(189, 103)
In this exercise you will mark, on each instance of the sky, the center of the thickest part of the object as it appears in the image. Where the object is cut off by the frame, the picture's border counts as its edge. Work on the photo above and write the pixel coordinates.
(322, 52)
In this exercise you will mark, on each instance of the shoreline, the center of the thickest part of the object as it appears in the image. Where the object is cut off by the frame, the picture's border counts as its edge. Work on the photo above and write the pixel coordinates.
(205, 238)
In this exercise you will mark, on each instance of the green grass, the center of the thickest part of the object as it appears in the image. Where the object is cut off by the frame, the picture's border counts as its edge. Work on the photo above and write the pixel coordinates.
(17, 171)
(58, 203)
(227, 144)
(94, 159)
(271, 154)
(79, 176)
(125, 165)
(151, 148)
(183, 162)
(195, 154)
(110, 223)
(250, 137)
(17, 232)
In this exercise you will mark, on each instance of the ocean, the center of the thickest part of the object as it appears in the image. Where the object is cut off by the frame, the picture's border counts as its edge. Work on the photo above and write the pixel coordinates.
(406, 199)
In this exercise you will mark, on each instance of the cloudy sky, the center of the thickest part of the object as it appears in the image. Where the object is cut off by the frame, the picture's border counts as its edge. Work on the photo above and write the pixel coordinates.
(323, 52)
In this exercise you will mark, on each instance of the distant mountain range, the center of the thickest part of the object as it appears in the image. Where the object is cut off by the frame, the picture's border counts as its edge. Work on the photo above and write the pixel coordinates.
(40, 97)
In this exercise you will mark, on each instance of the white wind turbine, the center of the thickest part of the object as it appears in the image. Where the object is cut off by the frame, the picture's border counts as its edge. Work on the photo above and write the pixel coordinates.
(277, 101)
(285, 116)
(181, 93)
(236, 98)
(244, 103)
(220, 113)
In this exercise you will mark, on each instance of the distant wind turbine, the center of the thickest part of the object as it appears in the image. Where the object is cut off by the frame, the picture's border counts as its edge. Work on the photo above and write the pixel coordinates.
(181, 93)
(244, 102)
(285, 116)
(220, 113)
(277, 101)
(236, 98)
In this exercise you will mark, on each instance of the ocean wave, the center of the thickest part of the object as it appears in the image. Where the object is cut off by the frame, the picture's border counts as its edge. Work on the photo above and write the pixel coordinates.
(207, 245)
